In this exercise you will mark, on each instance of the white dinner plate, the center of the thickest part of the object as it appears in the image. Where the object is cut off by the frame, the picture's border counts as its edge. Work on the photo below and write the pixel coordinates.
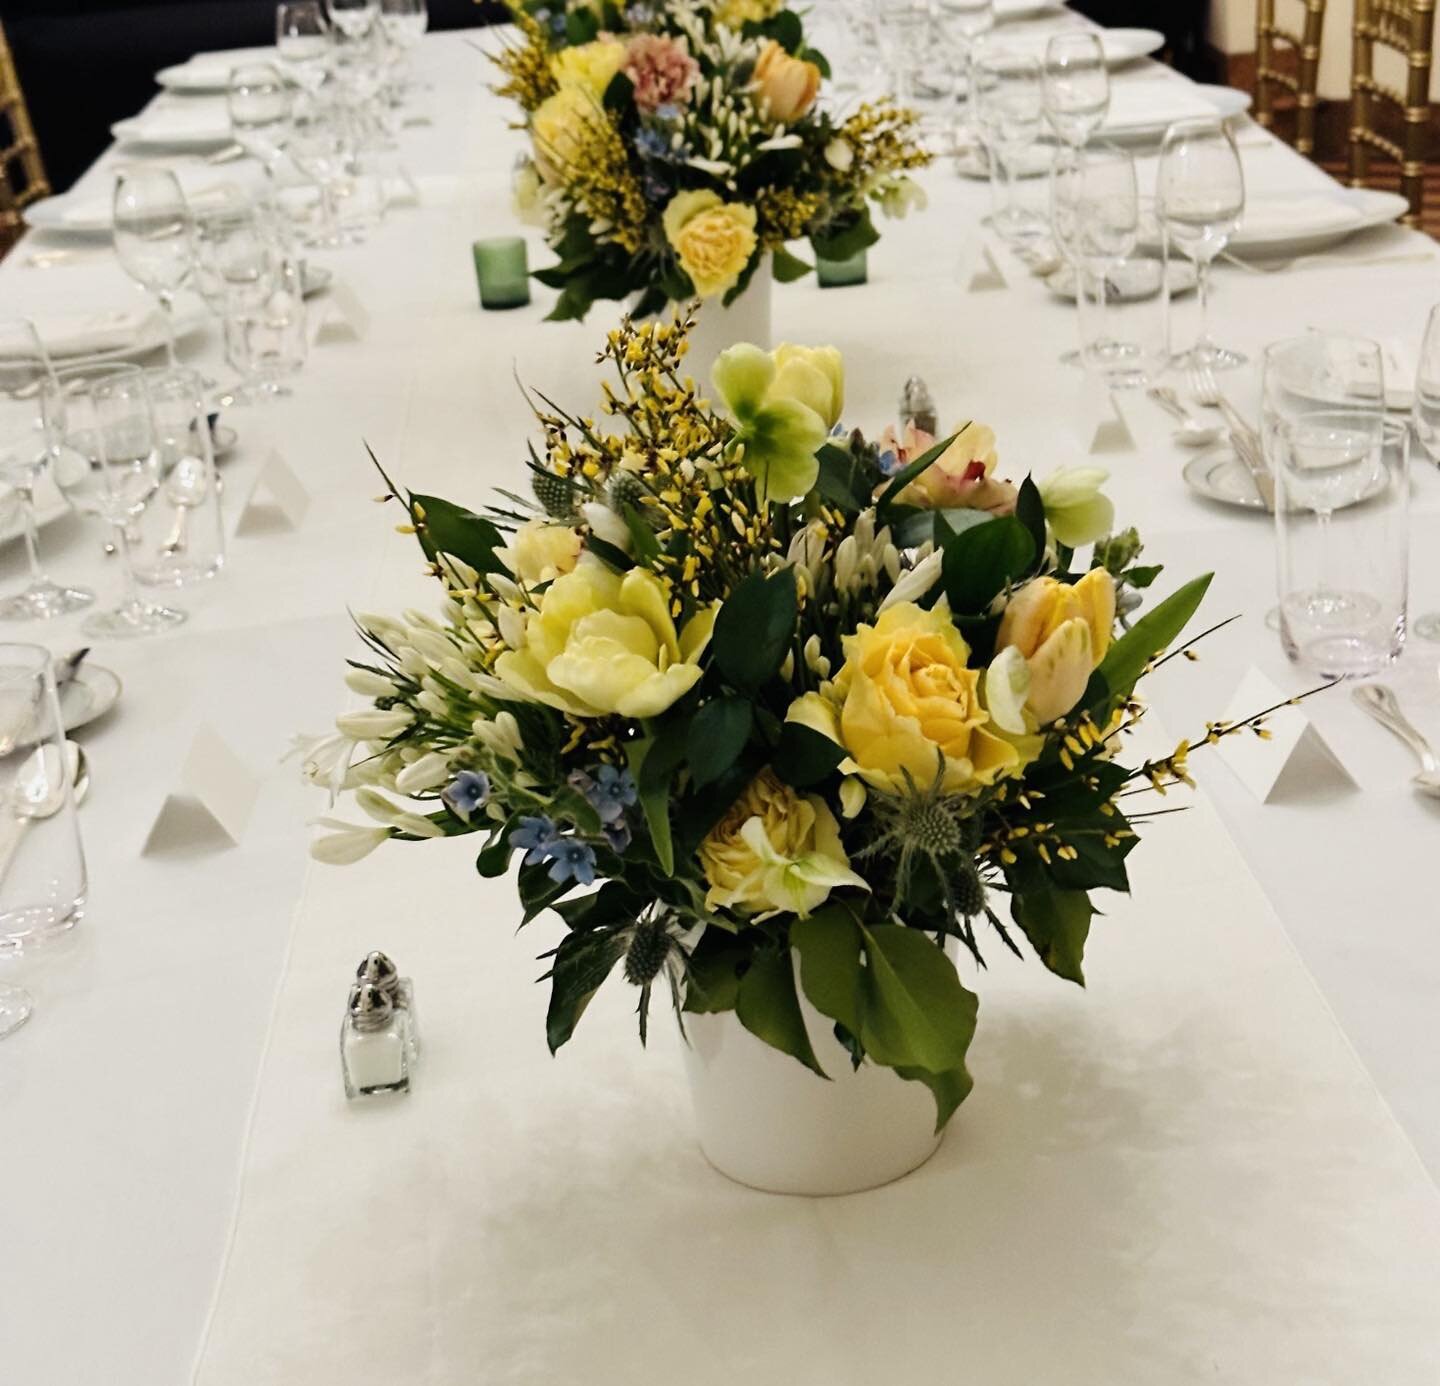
(88, 696)
(175, 129)
(123, 334)
(1218, 475)
(92, 215)
(1142, 111)
(1298, 225)
(1120, 46)
(1010, 11)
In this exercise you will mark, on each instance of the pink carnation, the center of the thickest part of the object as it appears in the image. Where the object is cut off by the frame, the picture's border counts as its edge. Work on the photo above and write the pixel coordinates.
(661, 69)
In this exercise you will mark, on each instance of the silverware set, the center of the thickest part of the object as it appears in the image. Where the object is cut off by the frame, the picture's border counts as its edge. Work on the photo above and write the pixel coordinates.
(1243, 438)
(1382, 704)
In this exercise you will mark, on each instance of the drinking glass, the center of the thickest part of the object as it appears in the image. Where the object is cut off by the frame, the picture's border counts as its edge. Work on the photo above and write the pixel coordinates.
(24, 370)
(968, 19)
(1076, 86)
(152, 236)
(321, 149)
(1200, 198)
(353, 18)
(42, 865)
(272, 340)
(1008, 101)
(259, 101)
(107, 463)
(1425, 427)
(186, 539)
(404, 22)
(302, 41)
(1107, 226)
(904, 33)
(1341, 504)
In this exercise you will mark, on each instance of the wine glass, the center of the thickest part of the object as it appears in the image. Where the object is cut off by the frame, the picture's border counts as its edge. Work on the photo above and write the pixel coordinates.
(106, 461)
(1008, 101)
(353, 18)
(42, 869)
(152, 236)
(1107, 227)
(24, 370)
(1323, 430)
(404, 22)
(1425, 428)
(321, 148)
(1200, 198)
(303, 40)
(1076, 86)
(259, 101)
(904, 32)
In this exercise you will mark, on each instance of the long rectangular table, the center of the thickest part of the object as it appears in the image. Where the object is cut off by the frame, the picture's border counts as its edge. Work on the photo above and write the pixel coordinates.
(125, 1104)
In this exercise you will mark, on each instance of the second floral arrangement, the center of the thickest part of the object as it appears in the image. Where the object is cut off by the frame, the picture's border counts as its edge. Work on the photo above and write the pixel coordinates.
(675, 148)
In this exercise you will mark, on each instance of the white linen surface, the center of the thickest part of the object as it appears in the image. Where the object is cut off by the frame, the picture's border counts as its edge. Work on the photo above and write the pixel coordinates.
(1180, 1174)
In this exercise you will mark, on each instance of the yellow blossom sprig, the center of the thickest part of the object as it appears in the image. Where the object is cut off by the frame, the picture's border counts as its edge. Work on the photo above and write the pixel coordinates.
(529, 77)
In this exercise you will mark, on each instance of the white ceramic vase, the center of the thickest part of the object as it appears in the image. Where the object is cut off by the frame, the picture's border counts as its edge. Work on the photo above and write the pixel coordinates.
(765, 1120)
(717, 327)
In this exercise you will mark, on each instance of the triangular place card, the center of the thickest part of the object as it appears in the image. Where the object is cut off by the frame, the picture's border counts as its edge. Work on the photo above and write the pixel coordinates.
(1294, 761)
(341, 316)
(212, 801)
(277, 500)
(980, 270)
(1100, 419)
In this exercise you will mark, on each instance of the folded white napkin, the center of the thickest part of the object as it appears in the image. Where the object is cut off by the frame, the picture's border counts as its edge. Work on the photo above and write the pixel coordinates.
(1137, 105)
(163, 125)
(82, 334)
(1278, 216)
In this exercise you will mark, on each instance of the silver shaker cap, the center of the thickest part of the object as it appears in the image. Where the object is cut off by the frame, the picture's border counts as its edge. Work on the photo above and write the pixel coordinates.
(377, 969)
(369, 1006)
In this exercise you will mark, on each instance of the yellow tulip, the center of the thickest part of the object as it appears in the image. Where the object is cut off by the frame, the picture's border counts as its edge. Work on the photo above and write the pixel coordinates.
(603, 644)
(1063, 631)
(787, 86)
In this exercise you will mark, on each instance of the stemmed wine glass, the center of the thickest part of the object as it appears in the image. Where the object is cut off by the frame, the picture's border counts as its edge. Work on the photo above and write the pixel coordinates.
(1322, 423)
(1425, 429)
(1107, 227)
(321, 148)
(1007, 96)
(1076, 86)
(354, 18)
(1200, 198)
(107, 463)
(904, 31)
(152, 236)
(303, 41)
(24, 370)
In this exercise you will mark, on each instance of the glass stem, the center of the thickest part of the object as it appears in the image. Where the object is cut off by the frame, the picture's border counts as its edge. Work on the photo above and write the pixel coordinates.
(329, 225)
(130, 591)
(1005, 188)
(167, 305)
(1322, 549)
(1202, 290)
(32, 535)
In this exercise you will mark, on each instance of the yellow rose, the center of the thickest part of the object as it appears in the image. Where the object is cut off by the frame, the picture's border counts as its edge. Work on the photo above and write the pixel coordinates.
(774, 850)
(905, 693)
(559, 130)
(713, 238)
(734, 13)
(787, 86)
(813, 375)
(542, 551)
(589, 66)
(602, 644)
(1063, 631)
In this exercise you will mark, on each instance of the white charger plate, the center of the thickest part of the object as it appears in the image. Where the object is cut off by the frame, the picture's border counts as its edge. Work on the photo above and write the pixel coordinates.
(1218, 475)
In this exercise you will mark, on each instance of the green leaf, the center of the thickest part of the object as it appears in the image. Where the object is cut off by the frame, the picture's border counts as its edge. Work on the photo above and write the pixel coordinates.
(1126, 659)
(582, 962)
(785, 28)
(712, 974)
(842, 479)
(619, 93)
(615, 903)
(581, 26)
(915, 527)
(916, 1012)
(980, 562)
(444, 527)
(1030, 511)
(788, 267)
(717, 735)
(754, 628)
(843, 240)
(1143, 576)
(804, 756)
(828, 945)
(494, 858)
(608, 554)
(768, 1007)
(908, 473)
(1057, 923)
(949, 1089)
(653, 762)
(538, 892)
(642, 537)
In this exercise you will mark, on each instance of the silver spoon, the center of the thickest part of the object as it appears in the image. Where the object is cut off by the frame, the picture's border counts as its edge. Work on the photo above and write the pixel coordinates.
(185, 488)
(1193, 432)
(1381, 703)
(38, 792)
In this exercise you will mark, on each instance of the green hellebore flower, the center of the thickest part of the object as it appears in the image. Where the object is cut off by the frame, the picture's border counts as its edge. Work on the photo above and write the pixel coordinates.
(779, 433)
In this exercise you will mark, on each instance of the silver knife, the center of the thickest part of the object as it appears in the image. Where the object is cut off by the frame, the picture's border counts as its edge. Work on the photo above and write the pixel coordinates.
(1248, 449)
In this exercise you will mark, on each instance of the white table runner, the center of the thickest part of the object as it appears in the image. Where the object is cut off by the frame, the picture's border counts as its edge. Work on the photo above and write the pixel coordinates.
(1180, 1175)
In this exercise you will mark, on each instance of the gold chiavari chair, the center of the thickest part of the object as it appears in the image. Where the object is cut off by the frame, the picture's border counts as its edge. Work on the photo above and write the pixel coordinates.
(1273, 45)
(22, 174)
(1408, 28)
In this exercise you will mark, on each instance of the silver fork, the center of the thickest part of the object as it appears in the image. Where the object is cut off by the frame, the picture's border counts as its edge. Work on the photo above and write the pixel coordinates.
(1245, 440)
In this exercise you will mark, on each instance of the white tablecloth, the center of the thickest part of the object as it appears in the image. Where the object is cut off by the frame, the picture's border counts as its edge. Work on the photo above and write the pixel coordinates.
(124, 1105)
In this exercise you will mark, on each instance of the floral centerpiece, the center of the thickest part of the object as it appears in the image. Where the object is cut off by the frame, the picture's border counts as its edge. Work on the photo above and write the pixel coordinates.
(676, 146)
(770, 715)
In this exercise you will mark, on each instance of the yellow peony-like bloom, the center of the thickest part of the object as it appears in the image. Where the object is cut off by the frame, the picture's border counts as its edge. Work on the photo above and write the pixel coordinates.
(787, 86)
(714, 239)
(774, 850)
(542, 551)
(589, 66)
(1063, 632)
(734, 13)
(601, 643)
(559, 130)
(905, 693)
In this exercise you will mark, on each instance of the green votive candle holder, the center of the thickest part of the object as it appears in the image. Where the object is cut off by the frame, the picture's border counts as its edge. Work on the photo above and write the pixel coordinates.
(503, 272)
(837, 274)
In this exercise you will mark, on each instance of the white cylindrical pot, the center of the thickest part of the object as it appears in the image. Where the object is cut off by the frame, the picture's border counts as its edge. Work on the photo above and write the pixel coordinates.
(718, 327)
(766, 1120)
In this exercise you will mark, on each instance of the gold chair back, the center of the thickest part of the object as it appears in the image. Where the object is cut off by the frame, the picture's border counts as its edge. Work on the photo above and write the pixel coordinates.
(1407, 27)
(22, 173)
(1274, 43)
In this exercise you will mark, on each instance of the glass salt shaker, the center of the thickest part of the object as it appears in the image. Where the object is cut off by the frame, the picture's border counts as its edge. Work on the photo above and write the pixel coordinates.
(918, 407)
(375, 1047)
(379, 970)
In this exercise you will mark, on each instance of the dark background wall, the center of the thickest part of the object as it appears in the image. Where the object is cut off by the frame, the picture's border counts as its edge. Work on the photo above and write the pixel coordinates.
(87, 63)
